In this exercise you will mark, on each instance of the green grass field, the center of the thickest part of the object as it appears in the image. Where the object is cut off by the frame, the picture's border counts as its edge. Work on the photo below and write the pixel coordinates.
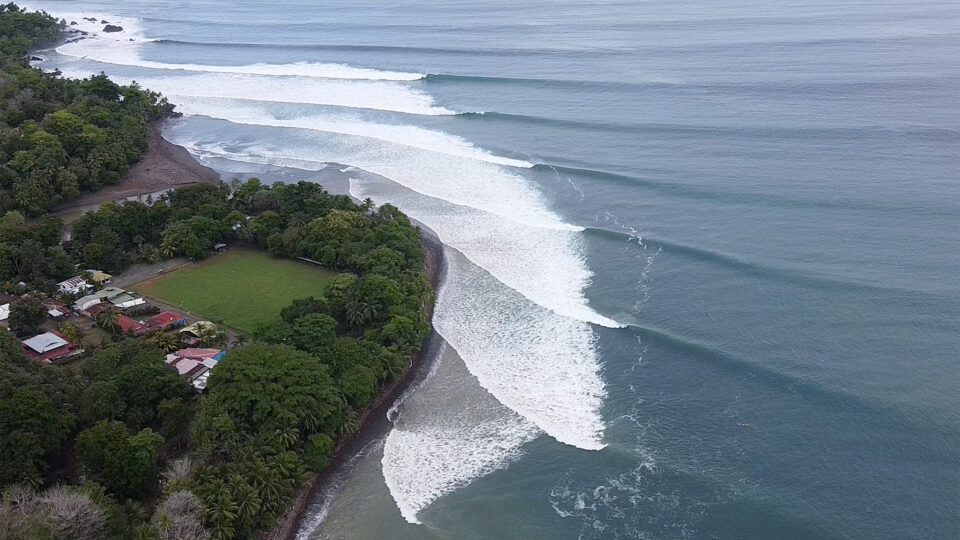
(243, 288)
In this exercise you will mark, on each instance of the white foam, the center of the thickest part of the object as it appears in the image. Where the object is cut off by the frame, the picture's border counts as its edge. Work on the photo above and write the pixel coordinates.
(375, 95)
(545, 265)
(240, 112)
(421, 466)
(542, 365)
(448, 432)
(117, 49)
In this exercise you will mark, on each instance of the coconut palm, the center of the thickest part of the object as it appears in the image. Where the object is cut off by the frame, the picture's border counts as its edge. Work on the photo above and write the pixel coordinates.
(207, 335)
(109, 320)
(167, 341)
(220, 339)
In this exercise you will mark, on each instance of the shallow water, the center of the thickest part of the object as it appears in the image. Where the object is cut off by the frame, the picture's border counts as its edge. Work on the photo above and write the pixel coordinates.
(663, 222)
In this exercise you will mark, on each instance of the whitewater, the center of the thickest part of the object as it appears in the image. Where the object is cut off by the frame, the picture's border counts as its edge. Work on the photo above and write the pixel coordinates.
(512, 307)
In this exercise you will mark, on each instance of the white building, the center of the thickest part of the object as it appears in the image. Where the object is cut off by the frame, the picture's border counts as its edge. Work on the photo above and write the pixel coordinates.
(74, 285)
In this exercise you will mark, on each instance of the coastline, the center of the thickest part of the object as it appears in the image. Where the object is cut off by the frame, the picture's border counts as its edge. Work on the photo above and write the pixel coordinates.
(162, 167)
(166, 166)
(373, 421)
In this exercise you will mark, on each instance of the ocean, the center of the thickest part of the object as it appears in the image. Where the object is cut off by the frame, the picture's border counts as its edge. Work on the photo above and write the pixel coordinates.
(702, 257)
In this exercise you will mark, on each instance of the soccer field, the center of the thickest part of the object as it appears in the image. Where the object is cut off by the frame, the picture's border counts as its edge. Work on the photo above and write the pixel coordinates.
(243, 288)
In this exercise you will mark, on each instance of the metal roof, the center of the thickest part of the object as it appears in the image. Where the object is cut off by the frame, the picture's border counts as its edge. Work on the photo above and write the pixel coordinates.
(45, 342)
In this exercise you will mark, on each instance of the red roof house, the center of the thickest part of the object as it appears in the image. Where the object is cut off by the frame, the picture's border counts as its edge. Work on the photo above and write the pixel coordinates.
(130, 326)
(50, 347)
(166, 321)
(199, 354)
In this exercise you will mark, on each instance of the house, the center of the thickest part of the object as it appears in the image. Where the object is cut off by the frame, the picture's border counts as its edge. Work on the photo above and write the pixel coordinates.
(187, 367)
(100, 277)
(74, 285)
(55, 308)
(195, 364)
(4, 312)
(97, 309)
(200, 383)
(103, 295)
(130, 326)
(200, 354)
(126, 300)
(166, 320)
(191, 334)
(50, 347)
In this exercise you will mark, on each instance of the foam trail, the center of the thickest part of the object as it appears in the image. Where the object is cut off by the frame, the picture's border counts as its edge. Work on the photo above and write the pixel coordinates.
(538, 363)
(417, 137)
(449, 432)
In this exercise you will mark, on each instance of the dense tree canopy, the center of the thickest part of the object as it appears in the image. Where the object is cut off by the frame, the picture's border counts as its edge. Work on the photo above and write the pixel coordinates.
(60, 136)
(125, 463)
(274, 408)
(37, 414)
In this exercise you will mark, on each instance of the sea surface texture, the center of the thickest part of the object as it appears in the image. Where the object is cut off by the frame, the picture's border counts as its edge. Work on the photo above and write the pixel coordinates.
(703, 258)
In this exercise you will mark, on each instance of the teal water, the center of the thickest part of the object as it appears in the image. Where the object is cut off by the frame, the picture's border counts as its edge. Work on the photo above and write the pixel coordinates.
(702, 256)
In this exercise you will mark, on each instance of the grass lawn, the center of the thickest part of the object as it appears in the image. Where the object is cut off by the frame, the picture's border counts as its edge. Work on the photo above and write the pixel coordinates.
(243, 288)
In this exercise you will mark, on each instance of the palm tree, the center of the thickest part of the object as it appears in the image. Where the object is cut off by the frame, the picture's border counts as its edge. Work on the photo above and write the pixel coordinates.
(288, 437)
(167, 342)
(220, 339)
(72, 334)
(167, 250)
(109, 320)
(207, 335)
(246, 498)
(221, 512)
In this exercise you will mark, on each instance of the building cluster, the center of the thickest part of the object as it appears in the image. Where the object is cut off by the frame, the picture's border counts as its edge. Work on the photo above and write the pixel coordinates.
(192, 362)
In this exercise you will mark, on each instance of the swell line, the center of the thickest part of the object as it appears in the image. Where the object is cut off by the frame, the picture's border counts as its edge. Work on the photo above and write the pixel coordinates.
(840, 400)
(780, 273)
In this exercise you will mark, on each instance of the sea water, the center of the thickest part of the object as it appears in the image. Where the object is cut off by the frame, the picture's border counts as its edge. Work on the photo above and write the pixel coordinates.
(701, 256)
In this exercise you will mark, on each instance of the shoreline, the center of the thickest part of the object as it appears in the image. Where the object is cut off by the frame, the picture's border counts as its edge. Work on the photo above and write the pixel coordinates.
(373, 422)
(162, 167)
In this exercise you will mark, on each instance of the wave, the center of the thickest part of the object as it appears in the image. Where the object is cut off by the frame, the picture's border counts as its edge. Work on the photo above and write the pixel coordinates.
(898, 416)
(714, 195)
(448, 434)
(741, 130)
(539, 82)
(373, 95)
(125, 53)
(400, 49)
(539, 363)
(241, 112)
(468, 183)
(766, 271)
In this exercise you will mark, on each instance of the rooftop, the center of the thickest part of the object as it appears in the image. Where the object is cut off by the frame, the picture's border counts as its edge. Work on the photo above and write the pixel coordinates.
(46, 342)
(128, 325)
(164, 319)
(75, 281)
(198, 354)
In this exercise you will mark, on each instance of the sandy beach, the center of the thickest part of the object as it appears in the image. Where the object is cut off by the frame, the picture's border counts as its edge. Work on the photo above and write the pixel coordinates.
(162, 167)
